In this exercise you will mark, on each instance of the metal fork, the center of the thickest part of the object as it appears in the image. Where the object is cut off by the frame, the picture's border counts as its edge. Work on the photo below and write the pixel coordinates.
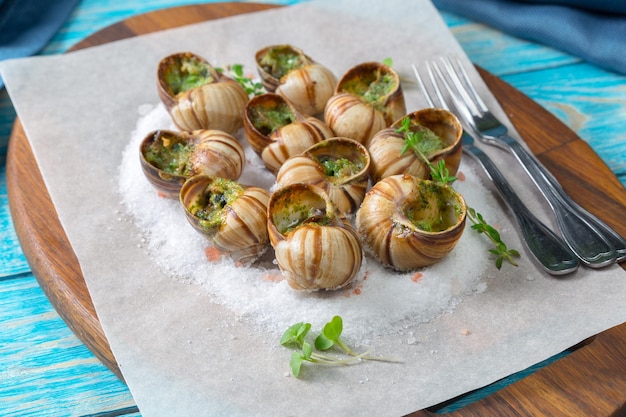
(594, 242)
(552, 254)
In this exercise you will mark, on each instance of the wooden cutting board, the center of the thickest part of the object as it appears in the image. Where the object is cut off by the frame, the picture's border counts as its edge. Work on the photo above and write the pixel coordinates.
(588, 382)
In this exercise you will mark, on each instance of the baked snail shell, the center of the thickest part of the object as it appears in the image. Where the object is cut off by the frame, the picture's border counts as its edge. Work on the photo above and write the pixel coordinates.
(338, 165)
(386, 147)
(315, 247)
(230, 215)
(168, 158)
(197, 96)
(276, 130)
(407, 223)
(289, 72)
(368, 98)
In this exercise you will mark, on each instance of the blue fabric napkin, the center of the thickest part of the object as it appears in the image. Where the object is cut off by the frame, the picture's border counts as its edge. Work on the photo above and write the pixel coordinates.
(26, 26)
(590, 29)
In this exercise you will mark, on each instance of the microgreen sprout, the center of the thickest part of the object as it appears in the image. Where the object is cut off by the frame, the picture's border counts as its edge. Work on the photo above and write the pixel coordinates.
(388, 61)
(295, 336)
(501, 251)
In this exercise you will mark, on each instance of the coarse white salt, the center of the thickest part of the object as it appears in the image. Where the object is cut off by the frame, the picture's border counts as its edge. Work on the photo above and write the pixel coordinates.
(380, 302)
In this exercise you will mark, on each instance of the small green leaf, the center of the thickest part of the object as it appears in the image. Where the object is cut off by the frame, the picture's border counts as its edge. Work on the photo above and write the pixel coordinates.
(501, 251)
(322, 343)
(307, 350)
(295, 334)
(332, 330)
(388, 61)
(296, 363)
(237, 69)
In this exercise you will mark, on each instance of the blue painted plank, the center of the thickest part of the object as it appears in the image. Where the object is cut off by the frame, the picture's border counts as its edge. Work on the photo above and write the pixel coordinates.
(500, 53)
(93, 15)
(591, 101)
(12, 260)
(44, 368)
(7, 115)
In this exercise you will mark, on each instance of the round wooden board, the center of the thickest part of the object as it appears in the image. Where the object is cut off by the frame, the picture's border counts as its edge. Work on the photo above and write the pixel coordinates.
(589, 381)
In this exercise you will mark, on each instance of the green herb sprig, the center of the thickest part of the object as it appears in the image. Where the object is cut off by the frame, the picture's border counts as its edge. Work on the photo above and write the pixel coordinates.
(295, 336)
(252, 87)
(421, 142)
(501, 251)
(388, 61)
(440, 174)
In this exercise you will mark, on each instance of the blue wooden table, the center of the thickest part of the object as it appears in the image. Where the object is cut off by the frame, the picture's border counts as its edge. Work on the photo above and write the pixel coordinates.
(46, 370)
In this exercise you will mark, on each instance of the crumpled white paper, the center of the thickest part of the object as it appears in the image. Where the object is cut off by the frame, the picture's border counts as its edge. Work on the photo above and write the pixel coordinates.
(182, 354)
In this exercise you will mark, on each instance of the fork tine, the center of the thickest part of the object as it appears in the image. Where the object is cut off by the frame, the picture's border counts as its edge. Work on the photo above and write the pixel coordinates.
(440, 99)
(433, 81)
(462, 110)
(422, 87)
(470, 86)
(456, 88)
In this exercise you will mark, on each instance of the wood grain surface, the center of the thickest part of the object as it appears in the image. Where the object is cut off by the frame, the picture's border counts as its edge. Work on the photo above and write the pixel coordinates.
(589, 382)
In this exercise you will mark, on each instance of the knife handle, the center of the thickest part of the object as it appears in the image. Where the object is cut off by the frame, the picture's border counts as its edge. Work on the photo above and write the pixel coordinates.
(549, 250)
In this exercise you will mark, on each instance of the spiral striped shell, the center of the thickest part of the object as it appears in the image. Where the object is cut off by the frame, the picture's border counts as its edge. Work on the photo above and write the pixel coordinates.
(277, 145)
(386, 147)
(358, 110)
(210, 152)
(345, 185)
(217, 154)
(235, 223)
(218, 104)
(315, 247)
(392, 219)
(308, 87)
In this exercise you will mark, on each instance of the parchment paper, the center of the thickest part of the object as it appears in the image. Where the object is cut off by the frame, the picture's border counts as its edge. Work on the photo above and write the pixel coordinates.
(180, 353)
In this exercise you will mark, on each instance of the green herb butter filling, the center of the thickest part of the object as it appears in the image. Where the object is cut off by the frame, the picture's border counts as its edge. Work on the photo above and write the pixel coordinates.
(279, 61)
(292, 210)
(436, 208)
(340, 168)
(372, 89)
(190, 74)
(209, 205)
(169, 154)
(427, 142)
(420, 139)
(269, 119)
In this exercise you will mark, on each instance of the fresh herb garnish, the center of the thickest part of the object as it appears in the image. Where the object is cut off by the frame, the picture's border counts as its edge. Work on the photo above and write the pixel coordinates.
(441, 175)
(330, 336)
(423, 142)
(236, 72)
(501, 250)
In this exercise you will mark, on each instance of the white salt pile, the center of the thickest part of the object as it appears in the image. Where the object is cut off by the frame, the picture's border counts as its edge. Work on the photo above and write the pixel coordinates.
(381, 301)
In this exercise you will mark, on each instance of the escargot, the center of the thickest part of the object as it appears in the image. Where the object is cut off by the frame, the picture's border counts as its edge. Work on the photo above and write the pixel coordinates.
(406, 223)
(337, 165)
(368, 98)
(230, 215)
(289, 72)
(168, 158)
(197, 96)
(315, 247)
(277, 131)
(409, 144)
